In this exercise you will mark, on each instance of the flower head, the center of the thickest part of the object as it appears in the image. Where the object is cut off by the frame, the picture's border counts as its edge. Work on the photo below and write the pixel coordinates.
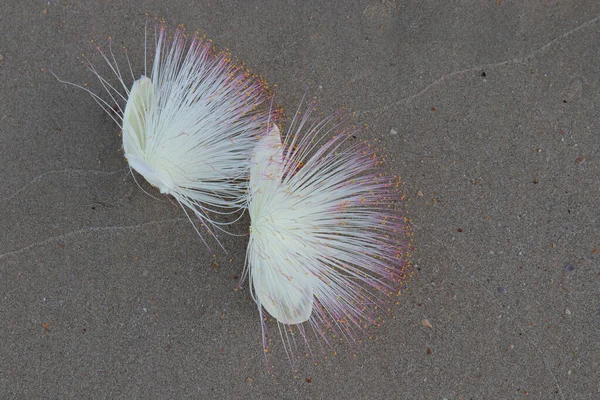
(328, 244)
(190, 127)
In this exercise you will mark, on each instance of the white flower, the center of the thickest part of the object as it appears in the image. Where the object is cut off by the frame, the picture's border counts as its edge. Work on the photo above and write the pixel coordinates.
(190, 127)
(328, 245)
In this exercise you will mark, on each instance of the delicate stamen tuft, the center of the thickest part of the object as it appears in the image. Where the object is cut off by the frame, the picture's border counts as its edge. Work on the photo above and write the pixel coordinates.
(189, 128)
(328, 244)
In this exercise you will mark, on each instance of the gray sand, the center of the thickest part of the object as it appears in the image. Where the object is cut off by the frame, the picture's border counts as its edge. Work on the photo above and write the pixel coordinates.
(488, 110)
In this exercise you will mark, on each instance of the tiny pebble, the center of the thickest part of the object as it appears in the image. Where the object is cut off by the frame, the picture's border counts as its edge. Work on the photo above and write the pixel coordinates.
(1, 58)
(420, 193)
(567, 311)
(426, 323)
(569, 267)
(393, 131)
(501, 290)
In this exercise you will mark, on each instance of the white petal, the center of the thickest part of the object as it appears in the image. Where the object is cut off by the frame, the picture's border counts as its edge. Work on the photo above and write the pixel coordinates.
(138, 105)
(283, 288)
(285, 293)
